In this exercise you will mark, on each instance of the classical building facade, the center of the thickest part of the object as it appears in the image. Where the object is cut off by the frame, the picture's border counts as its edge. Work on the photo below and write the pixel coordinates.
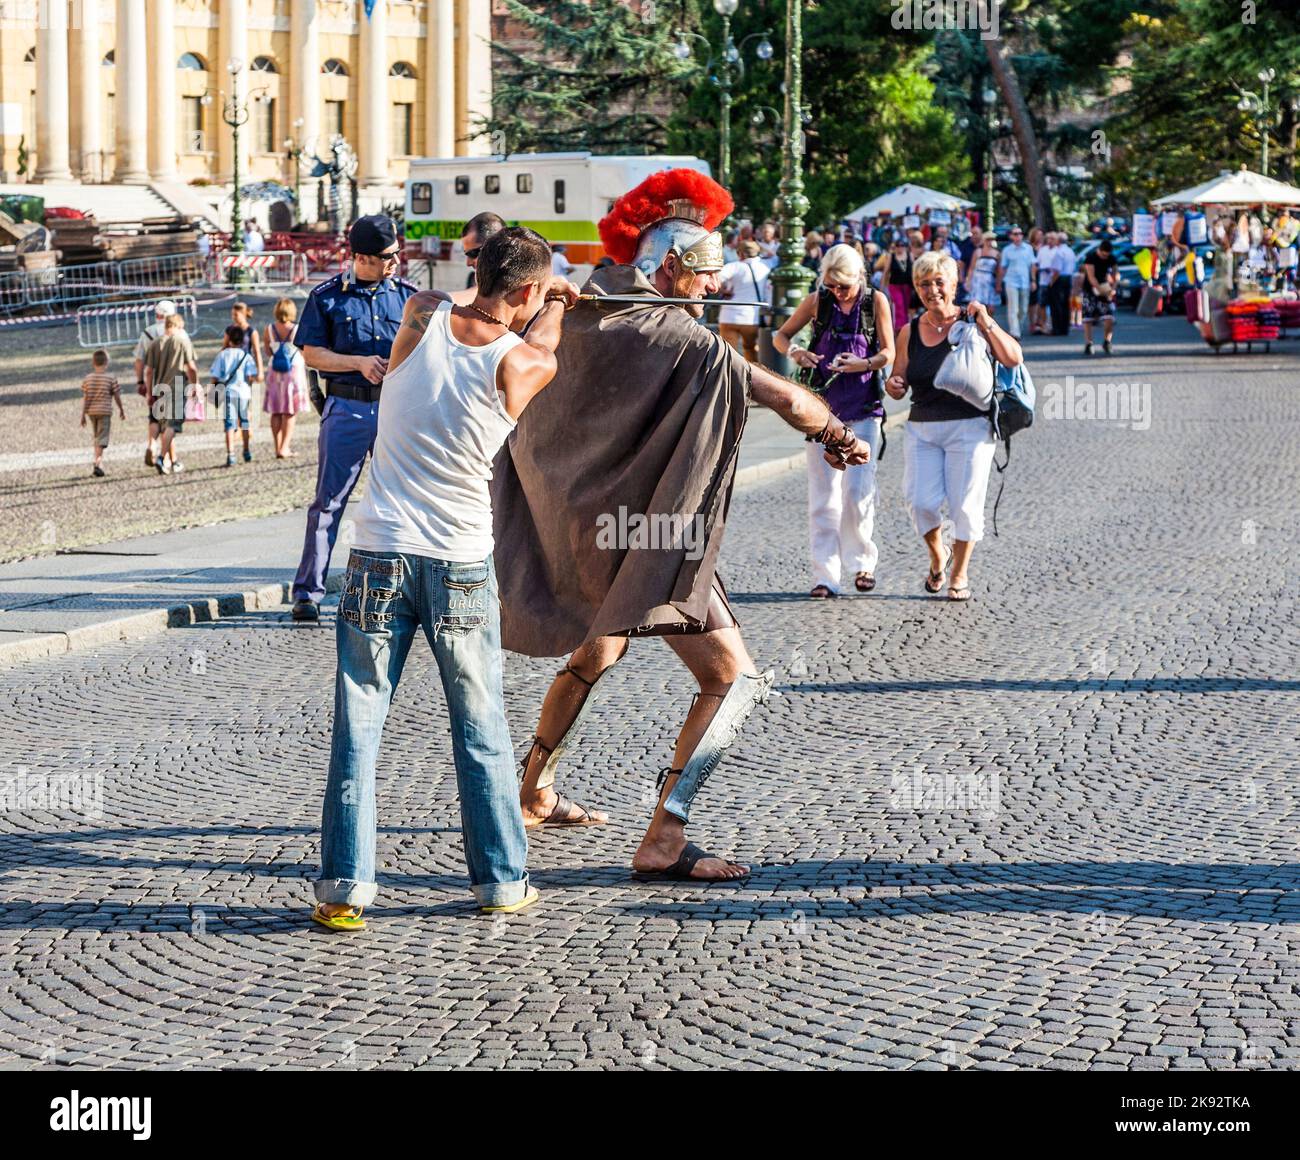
(134, 91)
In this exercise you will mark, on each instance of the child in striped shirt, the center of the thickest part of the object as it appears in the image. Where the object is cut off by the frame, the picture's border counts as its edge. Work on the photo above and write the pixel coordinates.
(99, 391)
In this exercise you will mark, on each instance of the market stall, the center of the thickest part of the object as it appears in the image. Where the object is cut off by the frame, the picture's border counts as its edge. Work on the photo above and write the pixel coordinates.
(909, 207)
(1252, 223)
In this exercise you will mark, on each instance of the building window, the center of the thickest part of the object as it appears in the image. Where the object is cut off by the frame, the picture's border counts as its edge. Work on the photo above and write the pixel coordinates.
(265, 112)
(559, 197)
(334, 118)
(402, 124)
(524, 183)
(193, 61)
(492, 183)
(402, 69)
(193, 140)
(30, 56)
(334, 68)
(421, 197)
(462, 185)
(110, 59)
(264, 64)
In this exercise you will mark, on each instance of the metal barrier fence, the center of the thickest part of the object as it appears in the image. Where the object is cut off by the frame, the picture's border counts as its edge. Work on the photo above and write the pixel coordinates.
(270, 268)
(122, 323)
(162, 275)
(60, 290)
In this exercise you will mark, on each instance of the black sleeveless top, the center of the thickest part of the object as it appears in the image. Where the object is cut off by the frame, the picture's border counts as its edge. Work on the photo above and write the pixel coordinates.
(929, 403)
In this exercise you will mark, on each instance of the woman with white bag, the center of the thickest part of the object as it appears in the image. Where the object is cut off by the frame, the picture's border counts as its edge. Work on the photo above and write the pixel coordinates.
(948, 442)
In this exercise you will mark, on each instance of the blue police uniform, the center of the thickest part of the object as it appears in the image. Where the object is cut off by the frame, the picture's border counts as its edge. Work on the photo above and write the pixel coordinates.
(347, 317)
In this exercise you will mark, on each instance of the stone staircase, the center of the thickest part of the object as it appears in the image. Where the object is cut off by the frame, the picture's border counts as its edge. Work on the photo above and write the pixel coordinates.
(108, 203)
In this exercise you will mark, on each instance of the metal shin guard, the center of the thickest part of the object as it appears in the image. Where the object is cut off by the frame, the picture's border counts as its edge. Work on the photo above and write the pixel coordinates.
(546, 778)
(736, 706)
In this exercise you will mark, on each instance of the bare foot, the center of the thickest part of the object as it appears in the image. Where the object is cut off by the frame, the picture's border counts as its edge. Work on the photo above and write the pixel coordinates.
(333, 909)
(661, 850)
(539, 806)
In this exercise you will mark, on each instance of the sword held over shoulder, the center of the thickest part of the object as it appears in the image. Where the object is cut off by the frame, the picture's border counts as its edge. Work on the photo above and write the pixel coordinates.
(656, 300)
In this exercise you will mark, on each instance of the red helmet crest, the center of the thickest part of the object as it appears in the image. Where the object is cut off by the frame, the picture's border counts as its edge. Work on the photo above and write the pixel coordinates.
(653, 200)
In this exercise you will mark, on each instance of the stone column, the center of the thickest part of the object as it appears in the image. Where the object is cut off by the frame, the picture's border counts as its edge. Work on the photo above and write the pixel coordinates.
(162, 89)
(233, 44)
(87, 67)
(304, 70)
(131, 102)
(440, 79)
(473, 75)
(52, 149)
(372, 87)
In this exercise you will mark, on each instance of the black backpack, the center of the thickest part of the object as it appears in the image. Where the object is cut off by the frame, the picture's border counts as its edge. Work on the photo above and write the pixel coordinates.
(808, 376)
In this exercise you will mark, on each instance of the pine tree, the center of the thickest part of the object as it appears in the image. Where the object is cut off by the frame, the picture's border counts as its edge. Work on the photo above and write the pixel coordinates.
(600, 75)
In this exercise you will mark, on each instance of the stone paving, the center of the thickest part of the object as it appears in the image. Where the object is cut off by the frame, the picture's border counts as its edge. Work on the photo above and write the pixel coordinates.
(48, 498)
(1053, 828)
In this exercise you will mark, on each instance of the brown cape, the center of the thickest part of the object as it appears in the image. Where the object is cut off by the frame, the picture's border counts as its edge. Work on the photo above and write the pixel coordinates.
(644, 414)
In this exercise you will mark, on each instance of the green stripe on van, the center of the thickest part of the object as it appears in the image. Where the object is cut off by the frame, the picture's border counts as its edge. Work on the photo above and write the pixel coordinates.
(554, 230)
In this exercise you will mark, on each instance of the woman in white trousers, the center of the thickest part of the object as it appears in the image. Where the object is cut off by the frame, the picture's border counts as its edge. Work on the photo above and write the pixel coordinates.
(948, 443)
(852, 340)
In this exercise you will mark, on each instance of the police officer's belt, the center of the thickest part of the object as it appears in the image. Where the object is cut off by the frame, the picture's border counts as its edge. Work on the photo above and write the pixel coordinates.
(367, 394)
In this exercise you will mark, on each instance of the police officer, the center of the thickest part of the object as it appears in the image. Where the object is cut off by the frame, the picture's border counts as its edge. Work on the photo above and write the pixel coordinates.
(346, 333)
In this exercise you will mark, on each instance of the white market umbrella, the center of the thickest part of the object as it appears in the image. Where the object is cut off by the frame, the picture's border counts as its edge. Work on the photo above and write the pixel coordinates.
(1244, 187)
(906, 198)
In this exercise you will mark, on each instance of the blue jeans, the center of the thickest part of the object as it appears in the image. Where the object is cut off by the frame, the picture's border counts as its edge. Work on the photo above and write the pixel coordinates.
(347, 436)
(386, 597)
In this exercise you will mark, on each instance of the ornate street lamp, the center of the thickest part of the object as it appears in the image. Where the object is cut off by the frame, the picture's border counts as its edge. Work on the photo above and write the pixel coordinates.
(235, 113)
(731, 61)
(991, 125)
(1252, 102)
(790, 278)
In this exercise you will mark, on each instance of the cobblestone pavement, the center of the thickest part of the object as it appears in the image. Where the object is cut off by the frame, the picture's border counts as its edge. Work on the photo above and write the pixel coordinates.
(48, 499)
(1107, 878)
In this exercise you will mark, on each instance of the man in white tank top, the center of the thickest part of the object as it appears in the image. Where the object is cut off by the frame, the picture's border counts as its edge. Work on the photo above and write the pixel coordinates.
(458, 378)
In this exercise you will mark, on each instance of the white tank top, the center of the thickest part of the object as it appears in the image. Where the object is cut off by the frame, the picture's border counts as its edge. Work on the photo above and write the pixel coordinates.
(441, 423)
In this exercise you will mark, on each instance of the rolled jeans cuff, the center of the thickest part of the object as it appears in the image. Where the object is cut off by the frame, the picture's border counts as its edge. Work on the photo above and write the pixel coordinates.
(345, 892)
(500, 893)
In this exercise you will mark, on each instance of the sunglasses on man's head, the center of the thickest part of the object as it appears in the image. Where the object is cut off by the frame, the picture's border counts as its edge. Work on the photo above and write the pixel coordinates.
(474, 253)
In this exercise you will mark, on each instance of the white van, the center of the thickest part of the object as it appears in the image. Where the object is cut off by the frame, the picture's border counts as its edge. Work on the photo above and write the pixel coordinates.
(560, 195)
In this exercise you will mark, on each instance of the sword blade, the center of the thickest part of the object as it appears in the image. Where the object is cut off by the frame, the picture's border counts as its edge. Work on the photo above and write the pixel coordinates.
(646, 300)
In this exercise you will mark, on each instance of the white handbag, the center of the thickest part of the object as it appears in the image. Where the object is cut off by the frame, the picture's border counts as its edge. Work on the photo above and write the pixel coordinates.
(967, 370)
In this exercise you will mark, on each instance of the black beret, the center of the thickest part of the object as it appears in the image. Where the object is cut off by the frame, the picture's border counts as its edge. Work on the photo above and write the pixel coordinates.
(372, 234)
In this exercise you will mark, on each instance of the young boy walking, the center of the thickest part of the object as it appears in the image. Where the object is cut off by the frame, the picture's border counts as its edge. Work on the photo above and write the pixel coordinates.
(232, 370)
(99, 391)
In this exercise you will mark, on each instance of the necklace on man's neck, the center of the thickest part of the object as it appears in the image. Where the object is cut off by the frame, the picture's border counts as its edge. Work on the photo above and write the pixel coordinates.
(490, 317)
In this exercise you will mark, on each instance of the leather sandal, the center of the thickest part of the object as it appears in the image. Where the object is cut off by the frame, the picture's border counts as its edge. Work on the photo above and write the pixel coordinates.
(680, 870)
(934, 581)
(864, 582)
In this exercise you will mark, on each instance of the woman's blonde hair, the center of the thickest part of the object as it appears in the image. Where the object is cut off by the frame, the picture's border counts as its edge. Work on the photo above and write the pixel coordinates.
(935, 262)
(286, 310)
(846, 262)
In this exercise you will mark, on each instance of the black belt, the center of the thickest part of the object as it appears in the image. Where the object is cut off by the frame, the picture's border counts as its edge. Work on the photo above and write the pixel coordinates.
(367, 394)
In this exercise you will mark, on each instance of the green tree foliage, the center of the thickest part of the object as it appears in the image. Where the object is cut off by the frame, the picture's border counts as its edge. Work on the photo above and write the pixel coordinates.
(601, 76)
(872, 118)
(1178, 123)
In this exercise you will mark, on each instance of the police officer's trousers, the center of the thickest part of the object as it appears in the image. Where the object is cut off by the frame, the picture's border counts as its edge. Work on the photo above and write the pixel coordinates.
(347, 436)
